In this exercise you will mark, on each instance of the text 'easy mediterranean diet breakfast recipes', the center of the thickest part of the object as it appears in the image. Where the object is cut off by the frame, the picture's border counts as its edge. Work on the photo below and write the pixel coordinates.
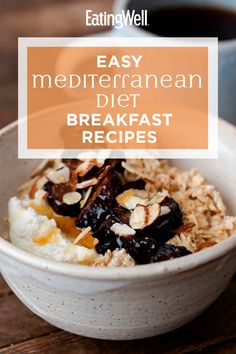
(126, 211)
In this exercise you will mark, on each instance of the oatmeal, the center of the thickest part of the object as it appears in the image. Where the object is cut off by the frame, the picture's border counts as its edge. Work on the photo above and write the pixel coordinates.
(116, 213)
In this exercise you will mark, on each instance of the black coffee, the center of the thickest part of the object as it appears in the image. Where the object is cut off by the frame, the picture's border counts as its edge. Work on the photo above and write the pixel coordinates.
(193, 21)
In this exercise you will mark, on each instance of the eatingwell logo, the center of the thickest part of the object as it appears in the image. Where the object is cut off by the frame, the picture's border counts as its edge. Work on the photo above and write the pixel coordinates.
(120, 20)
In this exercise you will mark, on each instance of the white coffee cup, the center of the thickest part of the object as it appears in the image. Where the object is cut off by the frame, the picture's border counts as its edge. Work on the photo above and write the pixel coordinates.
(227, 48)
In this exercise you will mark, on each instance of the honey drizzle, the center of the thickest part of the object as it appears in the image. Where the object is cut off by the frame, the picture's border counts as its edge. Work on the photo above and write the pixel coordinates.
(65, 224)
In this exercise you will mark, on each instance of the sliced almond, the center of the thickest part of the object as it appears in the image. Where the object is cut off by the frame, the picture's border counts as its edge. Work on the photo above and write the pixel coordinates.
(154, 213)
(95, 162)
(83, 201)
(136, 172)
(41, 182)
(159, 197)
(133, 201)
(71, 198)
(40, 194)
(143, 216)
(84, 167)
(131, 198)
(88, 183)
(138, 217)
(122, 230)
(140, 193)
(83, 233)
(59, 176)
(58, 164)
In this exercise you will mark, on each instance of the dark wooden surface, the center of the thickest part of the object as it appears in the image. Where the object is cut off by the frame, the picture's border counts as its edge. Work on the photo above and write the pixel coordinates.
(20, 330)
(23, 332)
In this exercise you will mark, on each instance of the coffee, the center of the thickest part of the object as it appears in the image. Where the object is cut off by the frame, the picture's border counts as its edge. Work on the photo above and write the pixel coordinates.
(193, 21)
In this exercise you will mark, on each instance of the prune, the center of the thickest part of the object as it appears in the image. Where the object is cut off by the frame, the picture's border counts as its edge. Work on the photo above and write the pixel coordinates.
(99, 205)
(116, 164)
(175, 216)
(142, 250)
(163, 228)
(166, 252)
(148, 250)
(54, 198)
(139, 184)
(107, 239)
(101, 211)
(121, 214)
(144, 246)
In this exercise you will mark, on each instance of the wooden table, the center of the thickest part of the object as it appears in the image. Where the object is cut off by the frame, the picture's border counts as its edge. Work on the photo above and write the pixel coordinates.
(23, 332)
(20, 330)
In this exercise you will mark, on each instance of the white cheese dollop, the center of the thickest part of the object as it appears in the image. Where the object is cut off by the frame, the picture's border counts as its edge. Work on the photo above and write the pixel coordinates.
(39, 235)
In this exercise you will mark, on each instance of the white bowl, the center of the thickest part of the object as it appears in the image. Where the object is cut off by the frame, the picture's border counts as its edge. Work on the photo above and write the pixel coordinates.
(138, 302)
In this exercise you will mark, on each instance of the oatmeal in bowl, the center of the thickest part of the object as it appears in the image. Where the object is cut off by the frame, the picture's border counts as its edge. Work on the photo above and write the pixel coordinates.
(117, 213)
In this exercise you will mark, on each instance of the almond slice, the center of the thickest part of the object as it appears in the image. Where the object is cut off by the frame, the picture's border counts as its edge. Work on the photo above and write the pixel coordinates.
(154, 213)
(71, 198)
(159, 197)
(122, 230)
(138, 217)
(40, 194)
(41, 182)
(83, 201)
(84, 167)
(131, 198)
(58, 164)
(96, 162)
(133, 171)
(143, 216)
(59, 176)
(88, 183)
(83, 233)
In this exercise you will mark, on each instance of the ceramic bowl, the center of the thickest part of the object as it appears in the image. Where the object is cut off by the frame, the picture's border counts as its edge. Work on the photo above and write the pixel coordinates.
(119, 304)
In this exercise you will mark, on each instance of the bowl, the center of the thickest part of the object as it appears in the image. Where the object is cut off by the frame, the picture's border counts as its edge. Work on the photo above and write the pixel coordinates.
(120, 303)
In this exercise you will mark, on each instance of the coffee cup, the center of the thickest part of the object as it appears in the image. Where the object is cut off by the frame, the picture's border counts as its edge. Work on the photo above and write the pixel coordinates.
(227, 47)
